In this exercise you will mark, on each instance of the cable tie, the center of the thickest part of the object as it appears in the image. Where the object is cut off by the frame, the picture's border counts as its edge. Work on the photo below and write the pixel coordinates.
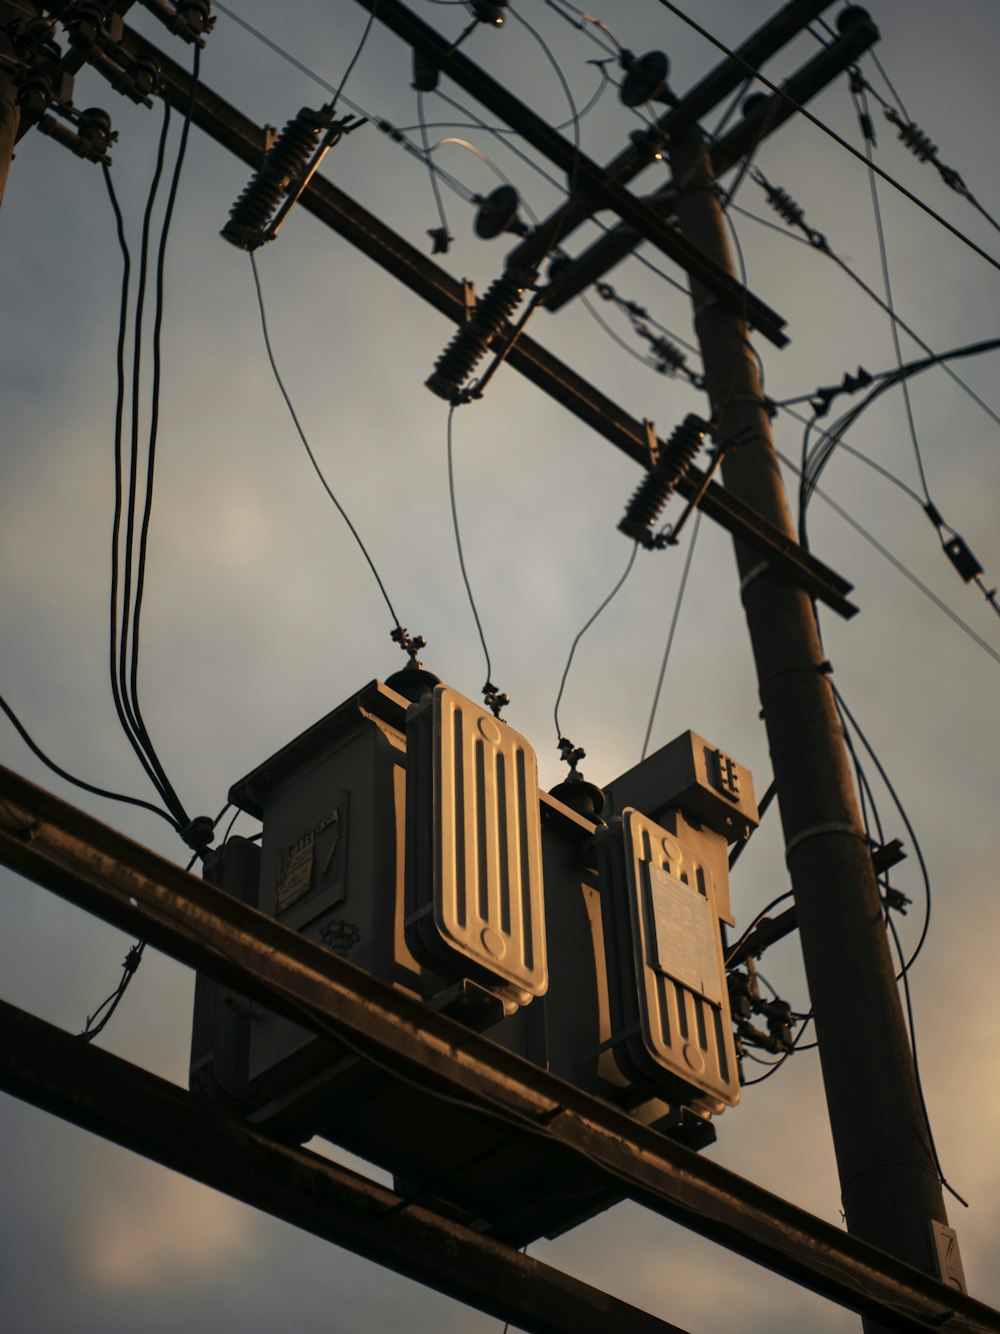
(822, 830)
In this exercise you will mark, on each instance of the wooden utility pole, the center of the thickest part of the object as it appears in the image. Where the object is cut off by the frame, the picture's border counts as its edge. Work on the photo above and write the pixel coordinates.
(10, 113)
(889, 1182)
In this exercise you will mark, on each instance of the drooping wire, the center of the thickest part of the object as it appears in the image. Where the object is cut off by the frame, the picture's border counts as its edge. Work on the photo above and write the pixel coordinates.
(357, 54)
(461, 553)
(79, 782)
(689, 556)
(586, 626)
(780, 199)
(308, 448)
(425, 141)
(832, 134)
(895, 561)
(861, 105)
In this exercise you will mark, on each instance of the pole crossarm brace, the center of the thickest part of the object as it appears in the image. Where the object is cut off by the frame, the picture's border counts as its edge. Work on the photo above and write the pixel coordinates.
(583, 173)
(106, 874)
(107, 1096)
(764, 118)
(247, 141)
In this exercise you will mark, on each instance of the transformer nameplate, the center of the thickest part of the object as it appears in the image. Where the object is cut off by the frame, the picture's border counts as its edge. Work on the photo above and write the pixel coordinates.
(685, 935)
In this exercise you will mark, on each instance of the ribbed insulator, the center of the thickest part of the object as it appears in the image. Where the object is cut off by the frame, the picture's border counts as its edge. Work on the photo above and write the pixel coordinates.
(919, 144)
(295, 145)
(656, 487)
(668, 354)
(470, 343)
(785, 205)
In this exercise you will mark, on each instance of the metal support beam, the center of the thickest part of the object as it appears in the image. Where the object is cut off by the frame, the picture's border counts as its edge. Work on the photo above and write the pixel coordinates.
(121, 1102)
(583, 173)
(246, 140)
(127, 885)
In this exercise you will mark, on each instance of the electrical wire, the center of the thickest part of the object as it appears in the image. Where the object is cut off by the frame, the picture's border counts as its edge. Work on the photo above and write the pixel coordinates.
(425, 141)
(627, 347)
(461, 554)
(832, 134)
(586, 626)
(308, 448)
(734, 949)
(357, 54)
(861, 105)
(689, 556)
(895, 561)
(79, 782)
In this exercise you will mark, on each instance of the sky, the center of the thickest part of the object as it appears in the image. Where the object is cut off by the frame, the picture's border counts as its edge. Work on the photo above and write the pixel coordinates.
(261, 615)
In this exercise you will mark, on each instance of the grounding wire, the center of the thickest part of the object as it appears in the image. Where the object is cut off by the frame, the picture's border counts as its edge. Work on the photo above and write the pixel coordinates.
(894, 560)
(688, 557)
(79, 782)
(585, 627)
(308, 448)
(458, 547)
(831, 133)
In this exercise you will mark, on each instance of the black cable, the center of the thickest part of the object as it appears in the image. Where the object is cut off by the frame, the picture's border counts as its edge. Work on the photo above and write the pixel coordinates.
(111, 1003)
(154, 420)
(804, 111)
(461, 554)
(354, 59)
(795, 1048)
(583, 630)
(615, 337)
(924, 872)
(122, 560)
(689, 556)
(79, 782)
(123, 310)
(308, 448)
(894, 560)
(734, 949)
(861, 105)
(916, 1067)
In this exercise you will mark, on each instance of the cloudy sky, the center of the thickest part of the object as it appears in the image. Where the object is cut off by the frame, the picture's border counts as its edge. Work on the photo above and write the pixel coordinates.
(261, 615)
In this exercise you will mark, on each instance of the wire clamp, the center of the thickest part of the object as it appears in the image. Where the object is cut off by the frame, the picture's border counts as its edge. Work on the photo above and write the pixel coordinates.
(198, 833)
(495, 701)
(411, 644)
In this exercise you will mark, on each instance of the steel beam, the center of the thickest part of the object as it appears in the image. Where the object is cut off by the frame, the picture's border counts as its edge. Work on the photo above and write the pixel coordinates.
(131, 887)
(246, 140)
(101, 1093)
(582, 172)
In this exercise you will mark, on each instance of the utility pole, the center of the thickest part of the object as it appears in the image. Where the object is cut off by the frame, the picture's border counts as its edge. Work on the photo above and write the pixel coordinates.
(890, 1187)
(10, 112)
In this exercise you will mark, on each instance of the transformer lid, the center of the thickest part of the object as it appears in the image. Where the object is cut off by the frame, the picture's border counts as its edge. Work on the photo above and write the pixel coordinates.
(690, 774)
(251, 792)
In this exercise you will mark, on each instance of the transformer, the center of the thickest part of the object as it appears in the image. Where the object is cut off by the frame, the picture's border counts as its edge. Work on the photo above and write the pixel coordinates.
(413, 841)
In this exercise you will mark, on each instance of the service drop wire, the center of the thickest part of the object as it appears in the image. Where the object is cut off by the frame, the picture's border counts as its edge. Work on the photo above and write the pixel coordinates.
(308, 448)
(670, 633)
(569, 661)
(154, 418)
(458, 546)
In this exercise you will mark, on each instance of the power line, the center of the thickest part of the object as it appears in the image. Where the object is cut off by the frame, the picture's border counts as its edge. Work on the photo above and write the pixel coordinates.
(308, 448)
(721, 46)
(583, 630)
(689, 556)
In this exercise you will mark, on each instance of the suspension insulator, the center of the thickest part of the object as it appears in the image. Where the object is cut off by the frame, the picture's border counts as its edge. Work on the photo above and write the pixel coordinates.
(250, 215)
(472, 340)
(668, 355)
(785, 205)
(919, 143)
(656, 487)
